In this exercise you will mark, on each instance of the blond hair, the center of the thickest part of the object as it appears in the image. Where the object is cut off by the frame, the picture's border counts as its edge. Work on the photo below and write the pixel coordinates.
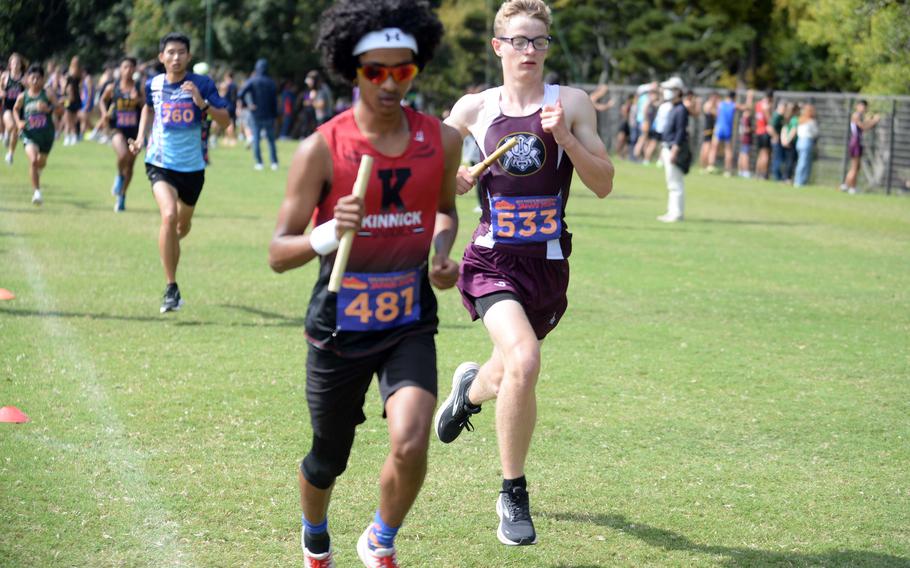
(535, 9)
(807, 114)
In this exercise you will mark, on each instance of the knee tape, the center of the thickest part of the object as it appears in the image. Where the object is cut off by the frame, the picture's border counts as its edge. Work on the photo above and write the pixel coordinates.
(327, 459)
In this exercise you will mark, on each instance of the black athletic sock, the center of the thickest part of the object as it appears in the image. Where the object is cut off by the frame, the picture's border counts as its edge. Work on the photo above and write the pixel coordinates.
(317, 543)
(508, 484)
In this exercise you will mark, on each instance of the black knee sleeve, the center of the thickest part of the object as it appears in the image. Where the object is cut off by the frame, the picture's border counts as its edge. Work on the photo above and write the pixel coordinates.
(327, 459)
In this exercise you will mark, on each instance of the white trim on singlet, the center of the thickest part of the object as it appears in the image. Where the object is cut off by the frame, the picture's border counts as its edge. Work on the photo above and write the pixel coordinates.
(491, 110)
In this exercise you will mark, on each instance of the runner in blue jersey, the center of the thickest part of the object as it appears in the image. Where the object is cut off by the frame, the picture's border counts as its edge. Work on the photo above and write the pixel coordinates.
(176, 103)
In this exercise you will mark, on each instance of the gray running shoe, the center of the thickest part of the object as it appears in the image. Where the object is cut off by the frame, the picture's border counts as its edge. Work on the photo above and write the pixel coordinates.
(172, 300)
(455, 413)
(515, 525)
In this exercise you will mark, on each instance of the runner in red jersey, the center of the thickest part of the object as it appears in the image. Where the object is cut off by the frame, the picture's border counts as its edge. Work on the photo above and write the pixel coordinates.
(383, 320)
(515, 272)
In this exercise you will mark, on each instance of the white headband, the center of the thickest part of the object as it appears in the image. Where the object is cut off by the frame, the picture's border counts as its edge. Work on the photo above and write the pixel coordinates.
(385, 39)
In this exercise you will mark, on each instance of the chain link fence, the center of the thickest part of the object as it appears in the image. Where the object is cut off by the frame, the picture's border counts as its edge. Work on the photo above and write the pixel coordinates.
(886, 156)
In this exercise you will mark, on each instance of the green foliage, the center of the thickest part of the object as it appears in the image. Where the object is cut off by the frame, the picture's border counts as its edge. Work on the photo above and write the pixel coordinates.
(868, 39)
(790, 44)
(146, 28)
(464, 57)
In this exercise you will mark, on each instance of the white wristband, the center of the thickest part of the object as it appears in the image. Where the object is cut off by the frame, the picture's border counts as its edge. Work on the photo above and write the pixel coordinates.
(323, 238)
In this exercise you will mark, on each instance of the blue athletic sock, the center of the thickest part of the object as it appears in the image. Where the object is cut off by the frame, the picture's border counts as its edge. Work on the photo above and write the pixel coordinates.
(384, 534)
(316, 537)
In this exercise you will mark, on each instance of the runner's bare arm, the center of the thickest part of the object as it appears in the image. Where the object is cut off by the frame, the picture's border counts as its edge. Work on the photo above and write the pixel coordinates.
(573, 122)
(145, 118)
(17, 111)
(444, 270)
(310, 172)
(462, 116)
(104, 101)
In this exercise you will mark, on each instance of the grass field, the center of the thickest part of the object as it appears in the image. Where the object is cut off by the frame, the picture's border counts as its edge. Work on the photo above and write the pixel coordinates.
(729, 391)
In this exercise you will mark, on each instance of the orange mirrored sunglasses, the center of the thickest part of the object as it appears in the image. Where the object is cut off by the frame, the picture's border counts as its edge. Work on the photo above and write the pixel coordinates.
(377, 73)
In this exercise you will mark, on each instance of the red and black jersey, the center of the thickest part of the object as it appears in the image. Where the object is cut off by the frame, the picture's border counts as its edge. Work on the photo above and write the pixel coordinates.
(389, 254)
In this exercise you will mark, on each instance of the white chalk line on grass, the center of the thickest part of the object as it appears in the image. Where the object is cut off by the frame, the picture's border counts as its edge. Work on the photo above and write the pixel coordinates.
(153, 526)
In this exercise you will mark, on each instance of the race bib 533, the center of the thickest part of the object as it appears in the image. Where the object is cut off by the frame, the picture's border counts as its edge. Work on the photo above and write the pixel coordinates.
(372, 301)
(530, 219)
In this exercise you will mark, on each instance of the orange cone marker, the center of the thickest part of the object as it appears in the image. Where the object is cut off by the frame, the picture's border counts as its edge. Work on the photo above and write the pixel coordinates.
(6, 294)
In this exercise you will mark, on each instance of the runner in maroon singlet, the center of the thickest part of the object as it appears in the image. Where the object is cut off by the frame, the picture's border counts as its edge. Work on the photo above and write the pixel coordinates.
(515, 272)
(858, 124)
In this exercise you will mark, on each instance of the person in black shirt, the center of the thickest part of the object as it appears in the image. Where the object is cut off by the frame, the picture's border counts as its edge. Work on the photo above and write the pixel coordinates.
(675, 154)
(262, 91)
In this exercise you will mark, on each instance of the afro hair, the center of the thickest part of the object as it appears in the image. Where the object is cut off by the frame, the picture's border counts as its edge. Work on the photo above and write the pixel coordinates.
(346, 21)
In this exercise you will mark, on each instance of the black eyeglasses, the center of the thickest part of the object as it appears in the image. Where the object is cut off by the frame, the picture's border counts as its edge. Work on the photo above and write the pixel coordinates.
(520, 43)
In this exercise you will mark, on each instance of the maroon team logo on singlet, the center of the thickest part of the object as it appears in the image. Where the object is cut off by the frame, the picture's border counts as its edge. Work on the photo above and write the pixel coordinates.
(527, 157)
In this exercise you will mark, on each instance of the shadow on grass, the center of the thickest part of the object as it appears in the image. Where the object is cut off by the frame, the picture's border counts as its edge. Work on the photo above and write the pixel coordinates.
(735, 556)
(299, 322)
(747, 222)
(99, 206)
(32, 210)
(235, 217)
(618, 224)
(79, 315)
(282, 319)
(274, 320)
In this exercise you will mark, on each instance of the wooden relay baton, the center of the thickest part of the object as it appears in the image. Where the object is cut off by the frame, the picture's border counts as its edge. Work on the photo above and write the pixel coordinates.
(478, 169)
(347, 239)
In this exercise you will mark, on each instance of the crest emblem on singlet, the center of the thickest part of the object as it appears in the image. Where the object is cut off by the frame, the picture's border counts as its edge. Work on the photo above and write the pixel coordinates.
(526, 157)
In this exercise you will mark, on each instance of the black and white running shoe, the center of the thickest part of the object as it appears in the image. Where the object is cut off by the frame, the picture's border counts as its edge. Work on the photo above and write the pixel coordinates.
(455, 413)
(172, 300)
(515, 525)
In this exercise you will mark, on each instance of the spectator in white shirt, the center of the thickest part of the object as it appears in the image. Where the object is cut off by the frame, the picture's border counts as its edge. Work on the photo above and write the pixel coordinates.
(806, 136)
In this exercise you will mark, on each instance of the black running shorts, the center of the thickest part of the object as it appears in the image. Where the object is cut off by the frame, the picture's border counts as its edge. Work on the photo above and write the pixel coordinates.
(336, 386)
(187, 184)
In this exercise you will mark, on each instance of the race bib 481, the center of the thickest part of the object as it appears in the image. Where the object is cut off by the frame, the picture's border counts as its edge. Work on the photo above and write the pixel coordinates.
(372, 301)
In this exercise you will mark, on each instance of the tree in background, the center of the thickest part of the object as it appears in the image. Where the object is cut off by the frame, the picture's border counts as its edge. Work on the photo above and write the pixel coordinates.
(836, 45)
(868, 39)
(94, 29)
(640, 40)
(243, 31)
